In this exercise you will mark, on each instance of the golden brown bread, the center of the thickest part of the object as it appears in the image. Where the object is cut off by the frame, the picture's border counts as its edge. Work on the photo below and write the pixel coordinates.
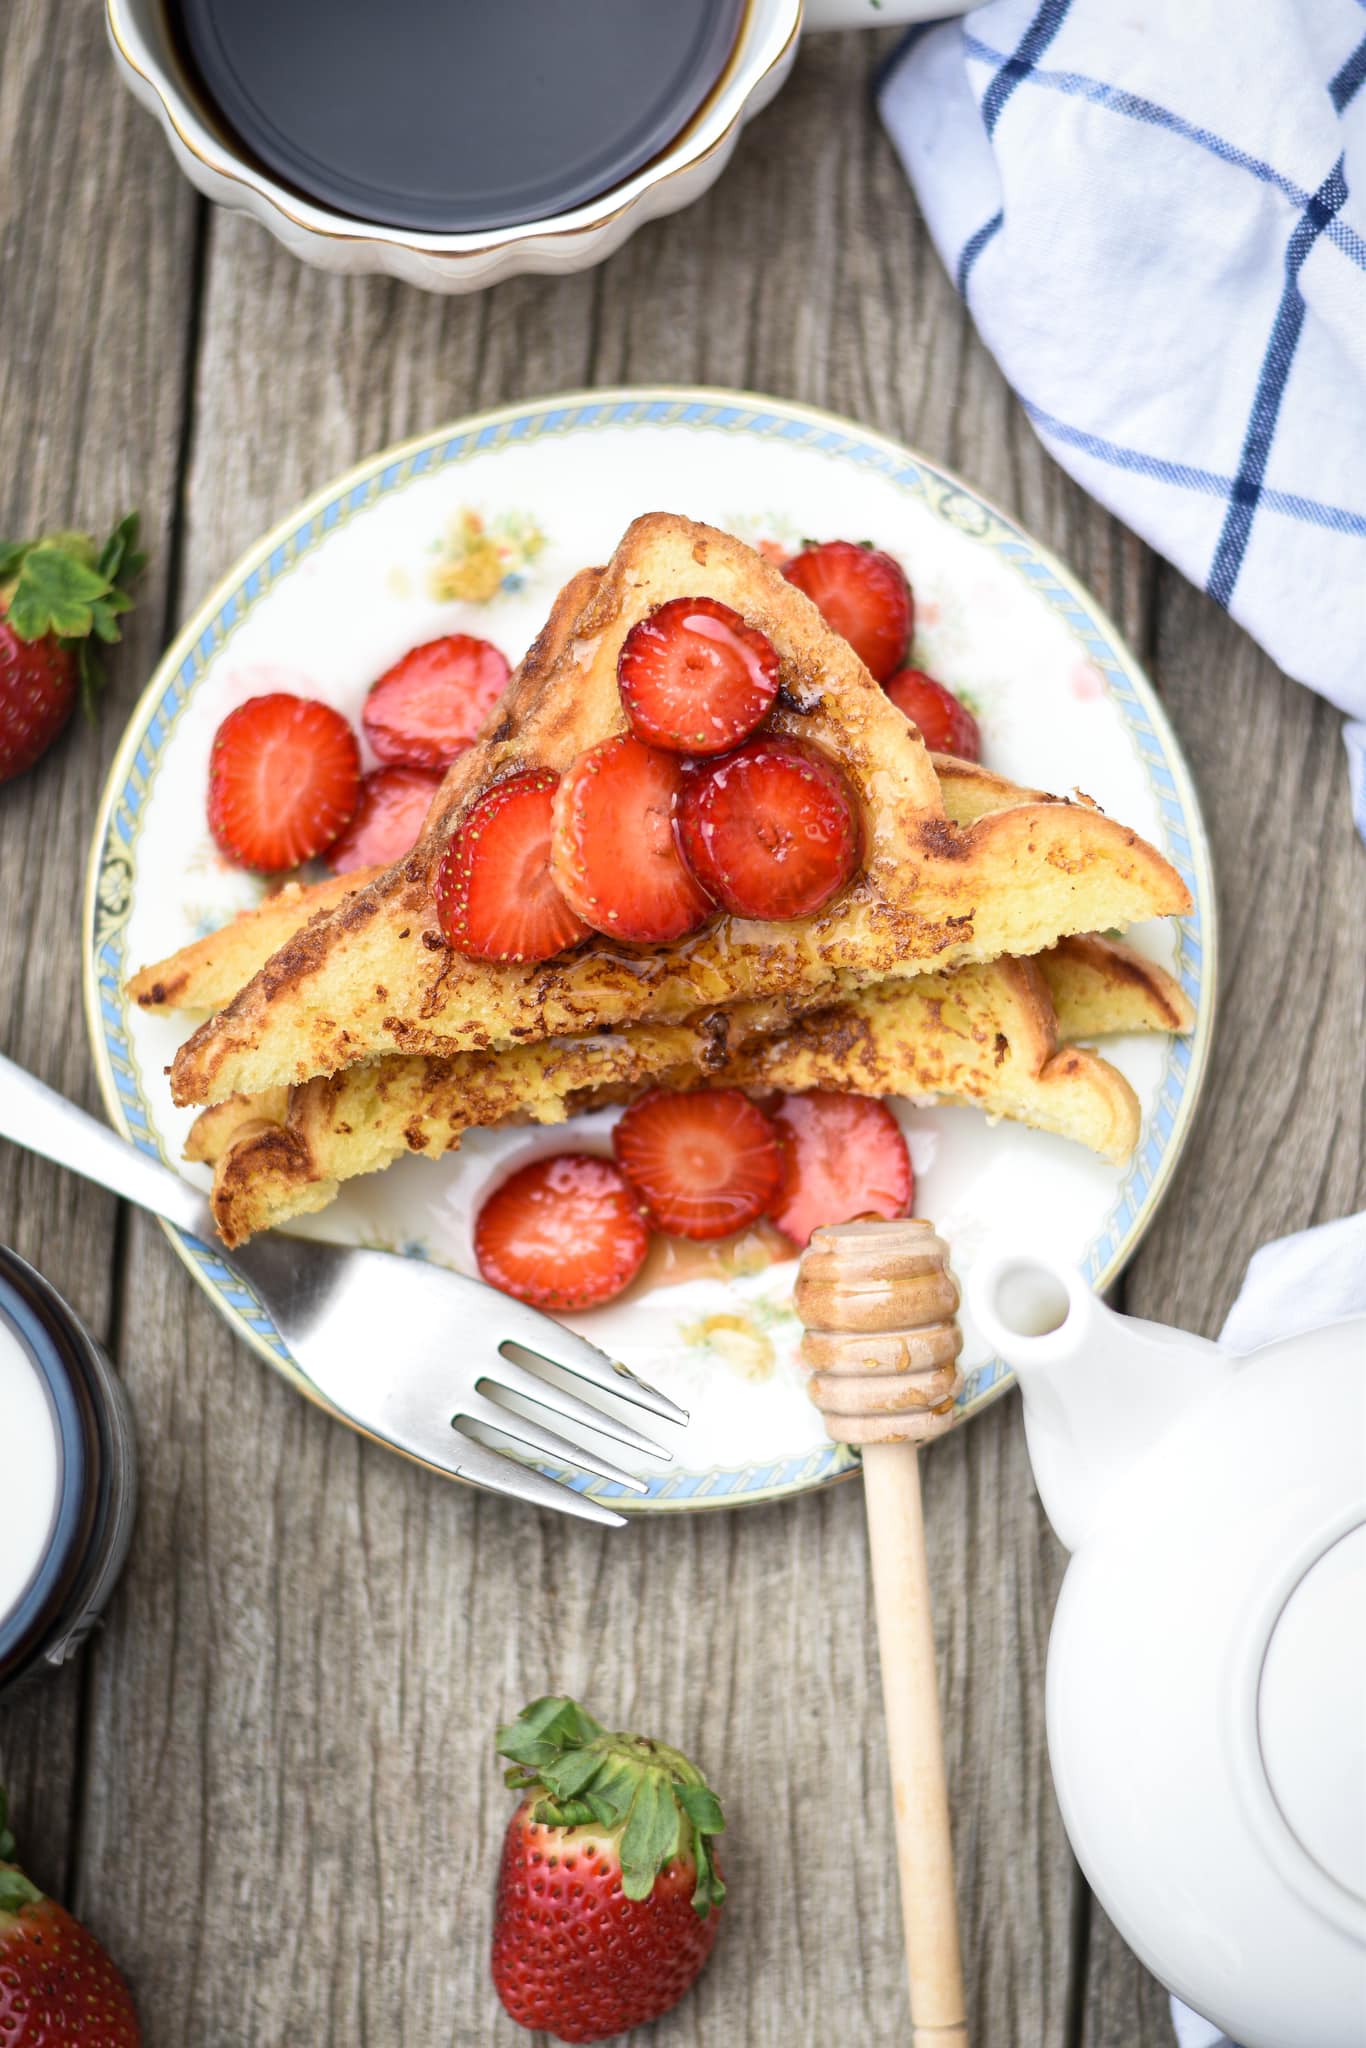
(983, 1035)
(1103, 987)
(207, 974)
(373, 974)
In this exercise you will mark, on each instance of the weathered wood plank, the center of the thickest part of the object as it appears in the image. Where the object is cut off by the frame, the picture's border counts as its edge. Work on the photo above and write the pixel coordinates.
(1123, 2004)
(292, 1718)
(369, 1793)
(1281, 1141)
(848, 308)
(96, 236)
(1281, 1138)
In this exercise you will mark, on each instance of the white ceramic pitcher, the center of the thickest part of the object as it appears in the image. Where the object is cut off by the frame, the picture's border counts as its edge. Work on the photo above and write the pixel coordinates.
(1206, 1692)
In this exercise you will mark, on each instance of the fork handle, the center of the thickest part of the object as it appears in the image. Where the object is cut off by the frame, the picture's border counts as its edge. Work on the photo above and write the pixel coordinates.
(38, 1118)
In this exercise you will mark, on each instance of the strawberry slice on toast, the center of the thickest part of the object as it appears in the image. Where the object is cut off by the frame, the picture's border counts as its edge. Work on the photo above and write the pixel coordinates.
(378, 974)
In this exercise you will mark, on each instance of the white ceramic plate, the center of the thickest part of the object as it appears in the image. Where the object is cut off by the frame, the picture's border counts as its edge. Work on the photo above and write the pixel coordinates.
(474, 529)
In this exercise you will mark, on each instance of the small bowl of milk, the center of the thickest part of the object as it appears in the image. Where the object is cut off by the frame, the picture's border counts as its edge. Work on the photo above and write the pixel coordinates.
(67, 1475)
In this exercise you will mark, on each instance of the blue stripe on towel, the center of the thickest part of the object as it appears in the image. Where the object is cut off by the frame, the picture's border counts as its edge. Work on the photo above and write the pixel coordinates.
(1266, 405)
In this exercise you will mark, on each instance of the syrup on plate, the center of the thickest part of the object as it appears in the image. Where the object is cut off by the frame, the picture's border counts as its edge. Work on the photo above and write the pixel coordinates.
(456, 116)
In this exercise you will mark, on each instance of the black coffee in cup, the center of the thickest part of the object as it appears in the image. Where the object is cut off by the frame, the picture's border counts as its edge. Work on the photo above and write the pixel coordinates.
(456, 116)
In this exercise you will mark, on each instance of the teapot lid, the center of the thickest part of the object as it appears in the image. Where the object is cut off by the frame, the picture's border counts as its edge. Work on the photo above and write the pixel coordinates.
(1311, 1709)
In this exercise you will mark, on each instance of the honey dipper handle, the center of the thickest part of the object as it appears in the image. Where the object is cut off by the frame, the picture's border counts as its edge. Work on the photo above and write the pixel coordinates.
(910, 1692)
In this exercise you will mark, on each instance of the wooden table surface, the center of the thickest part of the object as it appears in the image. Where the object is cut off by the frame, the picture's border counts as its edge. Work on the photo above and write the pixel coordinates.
(269, 1782)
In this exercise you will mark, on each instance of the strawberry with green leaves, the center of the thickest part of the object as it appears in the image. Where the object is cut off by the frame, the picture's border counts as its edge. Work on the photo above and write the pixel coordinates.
(58, 1987)
(60, 597)
(609, 1895)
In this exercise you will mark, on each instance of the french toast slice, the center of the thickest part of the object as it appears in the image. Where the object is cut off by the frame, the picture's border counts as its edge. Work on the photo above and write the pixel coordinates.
(206, 974)
(983, 1034)
(1100, 987)
(374, 975)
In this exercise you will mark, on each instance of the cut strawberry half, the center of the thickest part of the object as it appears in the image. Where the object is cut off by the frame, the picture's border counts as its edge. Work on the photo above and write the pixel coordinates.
(614, 853)
(844, 1157)
(563, 1233)
(284, 779)
(428, 707)
(946, 725)
(495, 895)
(770, 831)
(862, 594)
(703, 1164)
(393, 804)
(694, 677)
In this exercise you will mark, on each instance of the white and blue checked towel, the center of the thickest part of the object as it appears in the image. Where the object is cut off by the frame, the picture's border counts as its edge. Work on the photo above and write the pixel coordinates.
(1156, 212)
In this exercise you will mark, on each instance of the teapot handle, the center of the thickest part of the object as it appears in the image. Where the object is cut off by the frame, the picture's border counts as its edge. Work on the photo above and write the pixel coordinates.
(1099, 1388)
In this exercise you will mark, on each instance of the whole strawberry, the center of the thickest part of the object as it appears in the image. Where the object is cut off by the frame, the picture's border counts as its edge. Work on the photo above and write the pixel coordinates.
(608, 1894)
(58, 1988)
(59, 597)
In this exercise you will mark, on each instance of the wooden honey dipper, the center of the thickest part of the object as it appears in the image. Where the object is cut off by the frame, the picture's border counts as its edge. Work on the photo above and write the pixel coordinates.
(879, 1307)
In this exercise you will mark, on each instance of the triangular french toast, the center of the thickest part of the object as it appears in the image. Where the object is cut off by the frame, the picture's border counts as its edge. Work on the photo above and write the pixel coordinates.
(984, 1035)
(375, 974)
(205, 975)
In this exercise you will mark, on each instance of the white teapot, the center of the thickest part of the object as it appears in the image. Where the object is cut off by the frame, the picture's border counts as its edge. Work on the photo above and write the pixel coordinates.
(1206, 1694)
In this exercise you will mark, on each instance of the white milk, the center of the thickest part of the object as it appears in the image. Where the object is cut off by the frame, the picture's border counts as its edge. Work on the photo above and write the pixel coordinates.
(30, 1466)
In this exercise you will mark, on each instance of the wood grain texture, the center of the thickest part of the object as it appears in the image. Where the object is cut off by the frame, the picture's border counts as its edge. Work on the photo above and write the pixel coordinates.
(318, 1640)
(93, 317)
(289, 1717)
(1283, 1143)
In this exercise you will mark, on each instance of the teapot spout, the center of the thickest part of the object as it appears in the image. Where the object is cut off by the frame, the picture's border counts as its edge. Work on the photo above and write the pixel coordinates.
(1099, 1388)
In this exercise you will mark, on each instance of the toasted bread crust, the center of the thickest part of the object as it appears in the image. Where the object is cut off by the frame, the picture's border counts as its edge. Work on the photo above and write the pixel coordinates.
(982, 1035)
(315, 1006)
(968, 791)
(373, 974)
(207, 974)
(1100, 987)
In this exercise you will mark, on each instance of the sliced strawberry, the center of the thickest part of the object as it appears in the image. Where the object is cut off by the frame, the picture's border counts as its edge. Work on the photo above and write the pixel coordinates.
(393, 804)
(703, 1164)
(614, 853)
(495, 895)
(844, 1157)
(862, 594)
(694, 677)
(284, 778)
(428, 707)
(564, 1232)
(946, 725)
(770, 831)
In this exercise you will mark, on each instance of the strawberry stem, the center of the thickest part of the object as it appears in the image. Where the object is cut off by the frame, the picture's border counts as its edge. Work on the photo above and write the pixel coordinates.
(62, 586)
(655, 1803)
(16, 1890)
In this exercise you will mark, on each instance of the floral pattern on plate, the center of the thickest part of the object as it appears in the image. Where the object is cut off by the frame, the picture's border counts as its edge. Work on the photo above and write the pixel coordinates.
(554, 484)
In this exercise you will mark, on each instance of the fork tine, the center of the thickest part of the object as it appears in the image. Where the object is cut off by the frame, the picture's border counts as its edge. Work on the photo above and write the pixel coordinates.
(546, 1443)
(502, 1474)
(551, 1340)
(518, 1379)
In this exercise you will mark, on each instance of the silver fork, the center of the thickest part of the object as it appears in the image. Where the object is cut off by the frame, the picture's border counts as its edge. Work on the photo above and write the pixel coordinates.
(414, 1354)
